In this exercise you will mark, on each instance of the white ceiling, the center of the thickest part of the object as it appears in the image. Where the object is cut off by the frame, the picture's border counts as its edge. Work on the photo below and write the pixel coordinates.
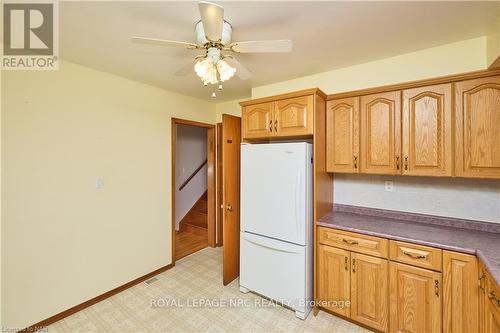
(325, 35)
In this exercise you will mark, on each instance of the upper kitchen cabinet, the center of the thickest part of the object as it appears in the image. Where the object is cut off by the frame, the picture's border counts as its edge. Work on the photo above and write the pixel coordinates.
(427, 131)
(257, 120)
(284, 116)
(294, 116)
(381, 133)
(342, 135)
(477, 127)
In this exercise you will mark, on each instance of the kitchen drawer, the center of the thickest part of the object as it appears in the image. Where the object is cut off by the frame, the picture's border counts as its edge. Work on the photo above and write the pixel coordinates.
(416, 255)
(355, 242)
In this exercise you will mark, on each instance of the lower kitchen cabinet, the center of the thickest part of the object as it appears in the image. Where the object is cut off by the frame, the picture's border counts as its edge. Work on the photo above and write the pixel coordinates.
(369, 301)
(333, 280)
(489, 304)
(395, 286)
(461, 294)
(415, 299)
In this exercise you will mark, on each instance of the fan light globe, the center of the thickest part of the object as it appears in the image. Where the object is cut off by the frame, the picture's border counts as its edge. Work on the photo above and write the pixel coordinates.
(225, 71)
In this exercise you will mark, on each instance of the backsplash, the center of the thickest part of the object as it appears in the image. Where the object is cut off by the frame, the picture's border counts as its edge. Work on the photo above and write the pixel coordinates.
(473, 199)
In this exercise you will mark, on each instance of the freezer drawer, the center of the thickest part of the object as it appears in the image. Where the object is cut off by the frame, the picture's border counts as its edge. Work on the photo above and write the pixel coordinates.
(277, 270)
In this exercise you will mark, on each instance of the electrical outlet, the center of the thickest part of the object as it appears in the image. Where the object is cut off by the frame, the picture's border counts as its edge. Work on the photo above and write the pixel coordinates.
(389, 185)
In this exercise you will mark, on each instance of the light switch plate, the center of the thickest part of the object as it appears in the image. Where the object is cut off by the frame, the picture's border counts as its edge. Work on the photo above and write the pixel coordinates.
(99, 183)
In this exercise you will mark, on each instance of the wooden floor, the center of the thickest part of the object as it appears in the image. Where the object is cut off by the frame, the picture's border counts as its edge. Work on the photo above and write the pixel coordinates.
(187, 243)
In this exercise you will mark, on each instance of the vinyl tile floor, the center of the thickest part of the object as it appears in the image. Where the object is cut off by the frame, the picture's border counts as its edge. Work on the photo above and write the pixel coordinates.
(189, 298)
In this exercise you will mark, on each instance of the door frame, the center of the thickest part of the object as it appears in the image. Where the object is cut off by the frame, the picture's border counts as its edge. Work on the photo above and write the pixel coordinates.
(211, 148)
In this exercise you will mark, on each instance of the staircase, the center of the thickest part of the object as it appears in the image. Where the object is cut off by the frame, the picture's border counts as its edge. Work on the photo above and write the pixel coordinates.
(196, 220)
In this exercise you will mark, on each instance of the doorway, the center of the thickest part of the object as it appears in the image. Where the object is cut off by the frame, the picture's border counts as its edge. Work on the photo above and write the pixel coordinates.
(193, 187)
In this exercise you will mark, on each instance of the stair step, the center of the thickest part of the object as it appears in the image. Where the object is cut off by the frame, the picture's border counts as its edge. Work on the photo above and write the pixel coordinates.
(195, 230)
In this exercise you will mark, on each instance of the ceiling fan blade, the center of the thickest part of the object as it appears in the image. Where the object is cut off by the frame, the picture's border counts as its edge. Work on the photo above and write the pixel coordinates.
(212, 16)
(262, 46)
(161, 42)
(241, 71)
(185, 70)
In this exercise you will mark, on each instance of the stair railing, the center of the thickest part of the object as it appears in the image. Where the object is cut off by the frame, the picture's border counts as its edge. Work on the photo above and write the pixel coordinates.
(193, 174)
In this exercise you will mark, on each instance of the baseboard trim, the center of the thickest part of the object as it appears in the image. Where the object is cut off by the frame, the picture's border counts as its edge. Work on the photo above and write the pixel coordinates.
(61, 315)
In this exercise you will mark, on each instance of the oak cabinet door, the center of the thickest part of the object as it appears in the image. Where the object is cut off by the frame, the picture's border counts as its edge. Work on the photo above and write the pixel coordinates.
(342, 135)
(460, 292)
(369, 292)
(256, 121)
(415, 299)
(381, 133)
(478, 127)
(492, 318)
(427, 131)
(294, 116)
(491, 306)
(333, 279)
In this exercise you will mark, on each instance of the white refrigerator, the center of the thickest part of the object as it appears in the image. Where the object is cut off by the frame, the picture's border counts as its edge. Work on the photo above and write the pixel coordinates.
(276, 239)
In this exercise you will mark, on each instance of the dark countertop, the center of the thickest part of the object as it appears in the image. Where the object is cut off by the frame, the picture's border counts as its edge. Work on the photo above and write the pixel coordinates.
(443, 233)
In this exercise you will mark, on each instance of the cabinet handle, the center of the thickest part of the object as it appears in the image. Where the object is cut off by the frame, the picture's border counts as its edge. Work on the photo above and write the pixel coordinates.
(350, 242)
(354, 265)
(406, 162)
(346, 264)
(397, 162)
(414, 256)
(436, 287)
(480, 282)
(276, 125)
(493, 297)
(271, 125)
(355, 162)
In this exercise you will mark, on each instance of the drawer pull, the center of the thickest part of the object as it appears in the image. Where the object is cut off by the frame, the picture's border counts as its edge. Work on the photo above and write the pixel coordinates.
(350, 242)
(494, 298)
(414, 256)
(480, 282)
(270, 125)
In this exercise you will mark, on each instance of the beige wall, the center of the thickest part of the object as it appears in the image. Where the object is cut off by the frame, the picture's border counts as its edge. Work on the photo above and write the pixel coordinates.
(230, 107)
(445, 196)
(493, 45)
(63, 240)
(459, 57)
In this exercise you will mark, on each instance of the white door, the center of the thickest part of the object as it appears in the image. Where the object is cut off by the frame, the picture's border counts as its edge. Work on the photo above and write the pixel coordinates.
(274, 269)
(276, 190)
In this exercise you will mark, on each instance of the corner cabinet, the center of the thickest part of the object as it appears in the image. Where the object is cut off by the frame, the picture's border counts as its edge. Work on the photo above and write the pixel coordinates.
(284, 116)
(478, 127)
(489, 303)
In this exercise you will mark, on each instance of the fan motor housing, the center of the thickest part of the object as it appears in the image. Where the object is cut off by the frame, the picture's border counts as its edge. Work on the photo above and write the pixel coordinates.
(226, 34)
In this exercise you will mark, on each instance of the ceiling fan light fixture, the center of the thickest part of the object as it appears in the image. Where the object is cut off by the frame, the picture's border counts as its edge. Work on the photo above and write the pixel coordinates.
(225, 70)
(206, 70)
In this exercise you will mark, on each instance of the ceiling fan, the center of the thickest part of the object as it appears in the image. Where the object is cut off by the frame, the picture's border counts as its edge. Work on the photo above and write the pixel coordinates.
(213, 34)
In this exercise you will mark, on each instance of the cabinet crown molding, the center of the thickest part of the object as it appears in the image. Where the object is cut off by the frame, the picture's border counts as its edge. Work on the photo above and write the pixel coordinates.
(312, 91)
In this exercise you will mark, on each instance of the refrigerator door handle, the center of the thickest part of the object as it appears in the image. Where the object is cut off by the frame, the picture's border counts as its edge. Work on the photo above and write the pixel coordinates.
(297, 200)
(254, 240)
